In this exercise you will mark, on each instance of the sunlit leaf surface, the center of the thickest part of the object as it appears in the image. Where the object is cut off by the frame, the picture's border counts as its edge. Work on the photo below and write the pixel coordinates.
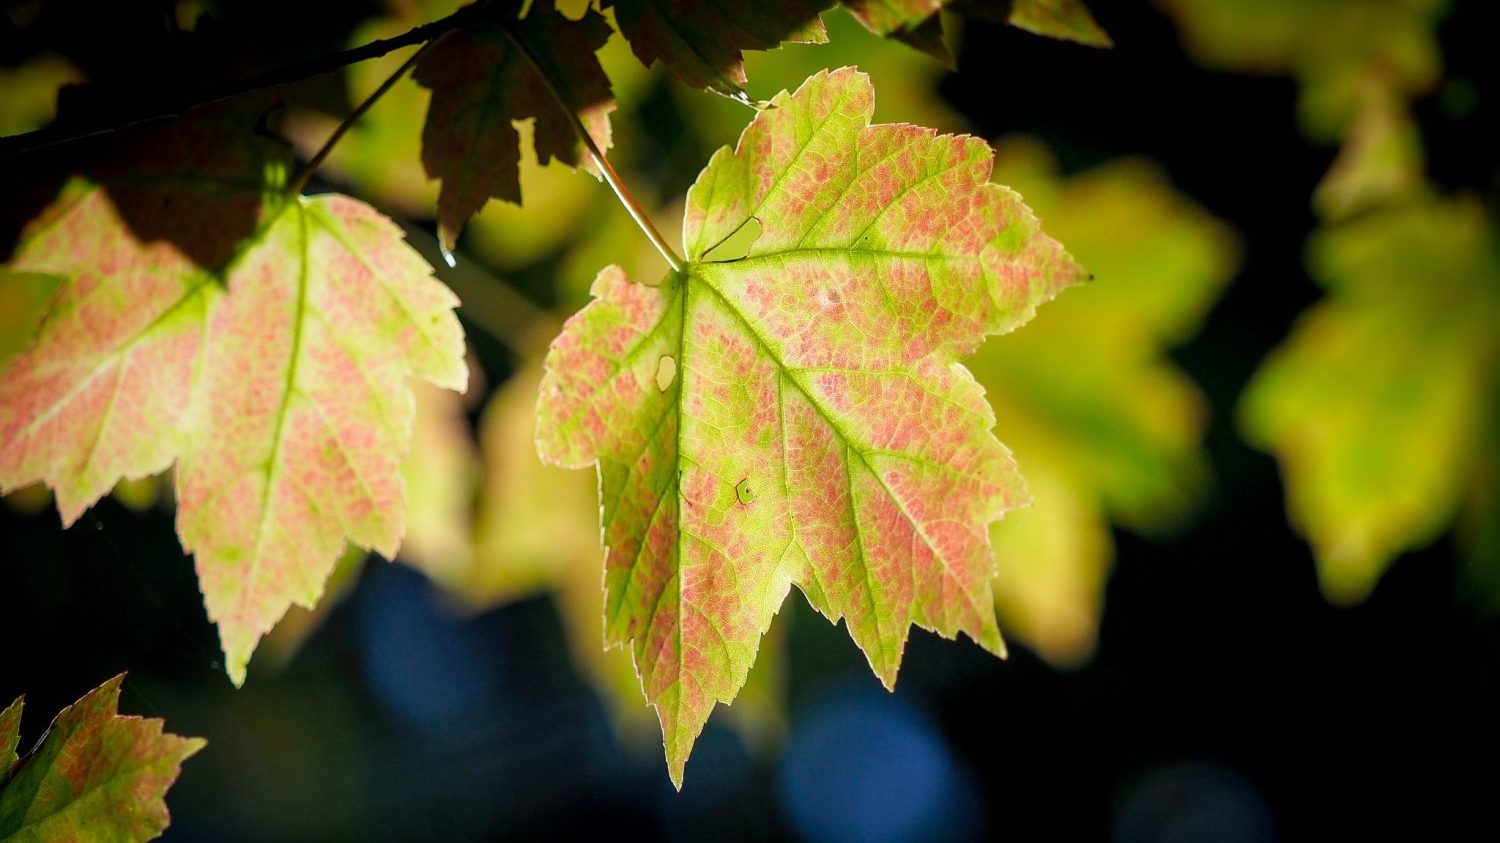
(797, 414)
(270, 363)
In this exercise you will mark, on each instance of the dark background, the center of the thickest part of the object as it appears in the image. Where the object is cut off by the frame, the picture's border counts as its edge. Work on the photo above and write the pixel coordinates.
(1227, 700)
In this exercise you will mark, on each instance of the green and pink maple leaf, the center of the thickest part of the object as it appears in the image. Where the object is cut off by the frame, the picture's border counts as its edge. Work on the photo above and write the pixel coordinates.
(95, 775)
(276, 380)
(798, 415)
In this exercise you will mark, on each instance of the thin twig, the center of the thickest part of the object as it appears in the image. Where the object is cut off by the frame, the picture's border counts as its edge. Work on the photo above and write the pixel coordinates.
(300, 180)
(57, 135)
(611, 177)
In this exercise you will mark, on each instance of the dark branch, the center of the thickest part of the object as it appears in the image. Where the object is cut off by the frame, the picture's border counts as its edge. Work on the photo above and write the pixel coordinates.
(59, 134)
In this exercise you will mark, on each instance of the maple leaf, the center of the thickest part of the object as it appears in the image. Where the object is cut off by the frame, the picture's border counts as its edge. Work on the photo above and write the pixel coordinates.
(703, 43)
(96, 775)
(797, 415)
(276, 379)
(1378, 405)
(1109, 431)
(305, 415)
(482, 81)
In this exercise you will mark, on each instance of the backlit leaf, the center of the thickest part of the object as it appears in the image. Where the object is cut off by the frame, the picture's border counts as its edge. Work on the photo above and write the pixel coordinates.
(482, 82)
(797, 415)
(1379, 404)
(96, 775)
(306, 417)
(272, 368)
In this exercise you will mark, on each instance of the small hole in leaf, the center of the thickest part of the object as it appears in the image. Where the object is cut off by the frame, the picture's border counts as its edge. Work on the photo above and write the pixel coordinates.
(743, 491)
(666, 372)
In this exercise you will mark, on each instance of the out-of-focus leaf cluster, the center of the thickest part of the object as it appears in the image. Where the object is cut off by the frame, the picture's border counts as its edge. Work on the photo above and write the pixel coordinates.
(1381, 406)
(1105, 428)
(1358, 63)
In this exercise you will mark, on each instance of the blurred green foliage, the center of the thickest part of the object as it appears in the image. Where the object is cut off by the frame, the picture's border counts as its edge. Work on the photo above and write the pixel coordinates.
(1380, 404)
(1104, 427)
(1357, 63)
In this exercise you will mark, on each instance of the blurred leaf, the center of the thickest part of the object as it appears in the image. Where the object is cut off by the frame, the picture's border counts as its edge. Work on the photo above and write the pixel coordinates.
(440, 473)
(1110, 430)
(24, 297)
(95, 775)
(1358, 62)
(886, 256)
(1378, 404)
(482, 83)
(30, 100)
(1380, 163)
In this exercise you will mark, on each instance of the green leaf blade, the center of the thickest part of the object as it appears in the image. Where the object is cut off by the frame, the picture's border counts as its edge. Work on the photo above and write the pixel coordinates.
(95, 776)
(306, 414)
(134, 331)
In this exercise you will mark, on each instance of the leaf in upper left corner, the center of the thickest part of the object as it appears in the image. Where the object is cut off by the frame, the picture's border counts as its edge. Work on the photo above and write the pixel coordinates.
(137, 243)
(272, 363)
(482, 83)
(97, 775)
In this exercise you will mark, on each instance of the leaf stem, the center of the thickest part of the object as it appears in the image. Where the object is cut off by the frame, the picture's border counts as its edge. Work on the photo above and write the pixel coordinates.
(300, 180)
(612, 178)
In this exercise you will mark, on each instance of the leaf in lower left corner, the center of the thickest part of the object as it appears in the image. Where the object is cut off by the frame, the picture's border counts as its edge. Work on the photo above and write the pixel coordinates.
(97, 775)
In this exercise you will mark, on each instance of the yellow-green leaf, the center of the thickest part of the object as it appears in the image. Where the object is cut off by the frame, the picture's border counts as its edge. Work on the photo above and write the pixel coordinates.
(1379, 402)
(1104, 426)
